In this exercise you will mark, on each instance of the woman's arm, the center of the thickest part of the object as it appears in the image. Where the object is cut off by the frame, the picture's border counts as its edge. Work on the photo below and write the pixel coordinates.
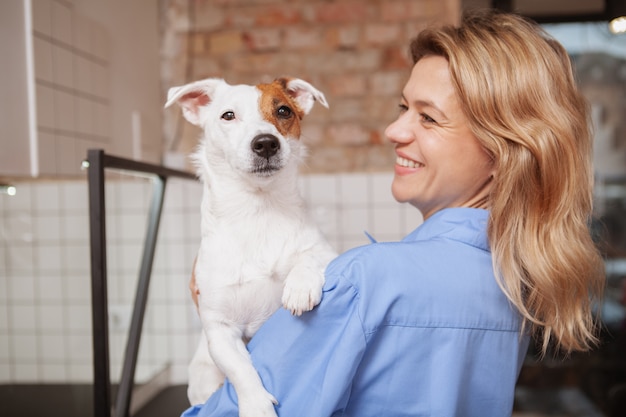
(306, 362)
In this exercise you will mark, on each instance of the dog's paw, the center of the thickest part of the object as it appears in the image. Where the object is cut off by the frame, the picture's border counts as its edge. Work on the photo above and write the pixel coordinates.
(258, 405)
(300, 296)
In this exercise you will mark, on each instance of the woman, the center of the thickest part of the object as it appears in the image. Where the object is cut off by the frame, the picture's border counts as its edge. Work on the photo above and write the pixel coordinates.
(493, 147)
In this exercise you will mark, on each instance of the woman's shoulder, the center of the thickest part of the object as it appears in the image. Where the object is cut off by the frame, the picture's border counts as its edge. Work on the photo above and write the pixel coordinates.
(365, 256)
(357, 266)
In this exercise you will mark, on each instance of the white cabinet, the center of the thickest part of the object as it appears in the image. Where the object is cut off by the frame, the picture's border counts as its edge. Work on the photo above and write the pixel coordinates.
(76, 75)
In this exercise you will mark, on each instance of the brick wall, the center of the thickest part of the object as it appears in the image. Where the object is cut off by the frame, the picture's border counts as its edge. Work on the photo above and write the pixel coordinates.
(354, 51)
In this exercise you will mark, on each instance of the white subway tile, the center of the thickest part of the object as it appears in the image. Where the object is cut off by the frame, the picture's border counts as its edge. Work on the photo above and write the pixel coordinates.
(45, 107)
(22, 288)
(101, 81)
(48, 257)
(193, 195)
(78, 317)
(44, 69)
(21, 258)
(54, 373)
(6, 372)
(53, 347)
(51, 319)
(50, 288)
(47, 198)
(161, 351)
(101, 42)
(62, 67)
(102, 120)
(77, 288)
(19, 228)
(322, 189)
(381, 188)
(48, 227)
(76, 227)
(68, 161)
(5, 354)
(412, 217)
(181, 350)
(354, 221)
(130, 255)
(26, 373)
(21, 202)
(85, 113)
(134, 195)
(134, 226)
(4, 318)
(354, 189)
(75, 196)
(351, 242)
(42, 16)
(24, 347)
(64, 111)
(47, 148)
(174, 199)
(62, 23)
(79, 347)
(388, 220)
(81, 372)
(76, 257)
(82, 33)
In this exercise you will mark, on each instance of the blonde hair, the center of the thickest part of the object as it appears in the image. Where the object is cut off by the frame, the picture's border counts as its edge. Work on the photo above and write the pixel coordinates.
(518, 91)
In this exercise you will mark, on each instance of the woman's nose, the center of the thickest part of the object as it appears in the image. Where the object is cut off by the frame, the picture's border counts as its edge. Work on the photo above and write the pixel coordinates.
(398, 132)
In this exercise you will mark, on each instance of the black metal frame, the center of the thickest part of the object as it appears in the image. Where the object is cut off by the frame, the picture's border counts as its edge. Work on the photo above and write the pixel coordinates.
(98, 161)
(604, 16)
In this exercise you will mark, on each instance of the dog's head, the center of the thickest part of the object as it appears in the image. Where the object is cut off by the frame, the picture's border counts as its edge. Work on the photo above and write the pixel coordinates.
(253, 129)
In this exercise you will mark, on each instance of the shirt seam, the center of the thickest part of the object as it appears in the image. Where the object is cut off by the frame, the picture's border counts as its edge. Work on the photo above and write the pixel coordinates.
(440, 326)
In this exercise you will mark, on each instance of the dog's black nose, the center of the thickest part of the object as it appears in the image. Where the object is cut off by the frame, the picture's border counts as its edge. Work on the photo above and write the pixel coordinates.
(265, 146)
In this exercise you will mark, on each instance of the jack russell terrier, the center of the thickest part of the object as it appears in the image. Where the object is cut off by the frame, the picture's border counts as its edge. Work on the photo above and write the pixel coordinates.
(258, 248)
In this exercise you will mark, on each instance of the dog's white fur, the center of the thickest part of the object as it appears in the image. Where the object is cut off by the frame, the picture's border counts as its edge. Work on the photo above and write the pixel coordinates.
(258, 247)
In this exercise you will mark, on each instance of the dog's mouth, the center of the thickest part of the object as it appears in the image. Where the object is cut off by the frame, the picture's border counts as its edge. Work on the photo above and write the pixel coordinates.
(265, 168)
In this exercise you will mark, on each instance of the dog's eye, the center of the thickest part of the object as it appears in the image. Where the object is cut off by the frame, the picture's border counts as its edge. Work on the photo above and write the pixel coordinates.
(284, 112)
(229, 115)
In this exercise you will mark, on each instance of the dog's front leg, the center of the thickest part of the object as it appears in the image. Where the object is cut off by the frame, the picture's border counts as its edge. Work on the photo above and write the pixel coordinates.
(303, 285)
(230, 354)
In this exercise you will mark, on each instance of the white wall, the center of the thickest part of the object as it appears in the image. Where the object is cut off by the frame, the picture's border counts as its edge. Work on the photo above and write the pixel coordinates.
(133, 30)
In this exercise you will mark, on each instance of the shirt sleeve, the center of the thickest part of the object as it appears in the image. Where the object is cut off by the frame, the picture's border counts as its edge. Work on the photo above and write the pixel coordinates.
(306, 362)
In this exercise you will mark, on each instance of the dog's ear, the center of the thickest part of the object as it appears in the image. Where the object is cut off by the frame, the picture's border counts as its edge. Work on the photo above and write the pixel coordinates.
(304, 94)
(192, 97)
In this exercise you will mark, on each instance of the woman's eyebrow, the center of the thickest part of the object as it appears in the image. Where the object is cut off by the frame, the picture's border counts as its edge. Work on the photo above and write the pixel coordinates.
(423, 103)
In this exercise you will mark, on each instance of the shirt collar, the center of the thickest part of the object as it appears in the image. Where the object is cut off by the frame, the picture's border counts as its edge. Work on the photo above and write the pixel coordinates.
(468, 225)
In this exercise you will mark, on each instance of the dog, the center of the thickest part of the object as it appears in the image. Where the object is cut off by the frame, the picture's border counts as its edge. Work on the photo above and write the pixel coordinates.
(258, 247)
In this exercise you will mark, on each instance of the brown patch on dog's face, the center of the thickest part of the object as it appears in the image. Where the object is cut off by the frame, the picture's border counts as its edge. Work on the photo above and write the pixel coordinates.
(278, 108)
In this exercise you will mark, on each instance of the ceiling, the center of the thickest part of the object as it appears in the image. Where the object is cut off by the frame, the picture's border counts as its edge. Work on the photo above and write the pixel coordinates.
(548, 11)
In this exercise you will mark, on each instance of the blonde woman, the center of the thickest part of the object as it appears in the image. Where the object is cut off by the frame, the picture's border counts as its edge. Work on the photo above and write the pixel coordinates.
(494, 149)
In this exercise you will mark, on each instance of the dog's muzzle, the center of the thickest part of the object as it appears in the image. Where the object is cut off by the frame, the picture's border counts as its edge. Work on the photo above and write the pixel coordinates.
(265, 145)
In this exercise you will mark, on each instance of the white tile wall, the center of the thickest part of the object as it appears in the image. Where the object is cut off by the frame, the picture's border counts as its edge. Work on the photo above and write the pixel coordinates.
(45, 299)
(72, 60)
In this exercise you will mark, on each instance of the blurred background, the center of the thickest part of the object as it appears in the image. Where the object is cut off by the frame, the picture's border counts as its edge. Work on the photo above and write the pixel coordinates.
(93, 74)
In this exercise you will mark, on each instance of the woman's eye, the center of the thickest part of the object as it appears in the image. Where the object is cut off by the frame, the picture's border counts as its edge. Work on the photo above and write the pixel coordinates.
(403, 108)
(284, 112)
(229, 115)
(426, 118)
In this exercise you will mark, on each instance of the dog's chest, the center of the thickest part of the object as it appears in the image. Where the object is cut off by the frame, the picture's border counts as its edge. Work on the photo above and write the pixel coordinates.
(252, 247)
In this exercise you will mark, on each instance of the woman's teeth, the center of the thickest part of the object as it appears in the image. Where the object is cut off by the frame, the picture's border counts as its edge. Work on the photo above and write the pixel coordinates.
(408, 163)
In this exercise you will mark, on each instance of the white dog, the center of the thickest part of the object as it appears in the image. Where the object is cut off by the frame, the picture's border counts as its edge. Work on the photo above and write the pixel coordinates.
(258, 247)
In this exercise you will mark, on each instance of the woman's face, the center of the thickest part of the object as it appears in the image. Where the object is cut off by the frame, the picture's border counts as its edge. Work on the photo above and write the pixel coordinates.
(439, 162)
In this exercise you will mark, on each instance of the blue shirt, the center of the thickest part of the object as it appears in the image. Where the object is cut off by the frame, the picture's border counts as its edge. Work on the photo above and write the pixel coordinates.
(411, 328)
